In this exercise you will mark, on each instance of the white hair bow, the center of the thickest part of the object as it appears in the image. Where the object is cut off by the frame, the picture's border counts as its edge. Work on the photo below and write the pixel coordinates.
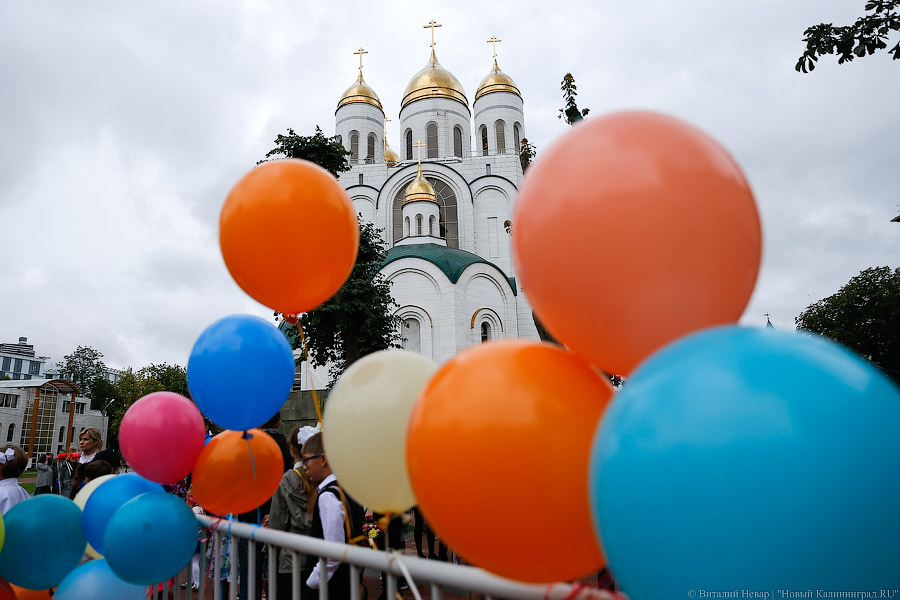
(7, 456)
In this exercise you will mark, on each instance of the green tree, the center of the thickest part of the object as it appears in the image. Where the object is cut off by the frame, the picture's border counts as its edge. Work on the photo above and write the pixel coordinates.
(570, 111)
(359, 319)
(862, 315)
(83, 366)
(101, 392)
(866, 36)
(526, 153)
(327, 152)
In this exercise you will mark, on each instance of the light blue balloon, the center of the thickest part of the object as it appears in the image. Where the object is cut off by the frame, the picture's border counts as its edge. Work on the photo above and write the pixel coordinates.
(106, 500)
(257, 353)
(150, 538)
(94, 579)
(44, 541)
(748, 459)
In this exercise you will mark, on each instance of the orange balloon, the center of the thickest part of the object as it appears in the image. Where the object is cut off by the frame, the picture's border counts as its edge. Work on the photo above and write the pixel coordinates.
(26, 594)
(289, 235)
(497, 452)
(235, 474)
(632, 230)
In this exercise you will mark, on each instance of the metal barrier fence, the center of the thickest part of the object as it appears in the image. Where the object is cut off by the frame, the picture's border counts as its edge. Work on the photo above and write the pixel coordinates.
(439, 576)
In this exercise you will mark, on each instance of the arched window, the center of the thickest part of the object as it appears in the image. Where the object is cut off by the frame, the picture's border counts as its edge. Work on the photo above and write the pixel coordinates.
(354, 146)
(62, 435)
(484, 144)
(501, 137)
(448, 217)
(411, 335)
(418, 224)
(457, 141)
(431, 225)
(406, 226)
(431, 132)
(340, 140)
(485, 331)
(516, 139)
(370, 149)
(11, 432)
(409, 154)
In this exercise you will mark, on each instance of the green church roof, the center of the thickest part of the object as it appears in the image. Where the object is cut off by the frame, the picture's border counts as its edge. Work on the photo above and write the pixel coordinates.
(451, 261)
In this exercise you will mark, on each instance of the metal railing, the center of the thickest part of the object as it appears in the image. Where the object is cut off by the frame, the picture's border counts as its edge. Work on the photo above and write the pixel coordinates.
(440, 576)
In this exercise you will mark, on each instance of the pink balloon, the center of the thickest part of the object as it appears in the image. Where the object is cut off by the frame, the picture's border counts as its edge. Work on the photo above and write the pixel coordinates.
(161, 436)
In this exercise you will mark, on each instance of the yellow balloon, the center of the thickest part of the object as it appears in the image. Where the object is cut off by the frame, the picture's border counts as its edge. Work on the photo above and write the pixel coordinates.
(365, 424)
(2, 532)
(81, 499)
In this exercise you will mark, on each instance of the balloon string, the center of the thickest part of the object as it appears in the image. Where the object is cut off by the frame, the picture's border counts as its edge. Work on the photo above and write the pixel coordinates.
(249, 436)
(308, 368)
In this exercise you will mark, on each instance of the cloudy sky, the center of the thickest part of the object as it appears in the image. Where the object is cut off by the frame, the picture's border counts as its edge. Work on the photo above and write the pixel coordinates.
(124, 124)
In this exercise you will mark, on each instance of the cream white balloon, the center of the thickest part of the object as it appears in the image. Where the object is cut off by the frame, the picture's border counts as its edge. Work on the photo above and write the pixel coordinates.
(81, 499)
(365, 423)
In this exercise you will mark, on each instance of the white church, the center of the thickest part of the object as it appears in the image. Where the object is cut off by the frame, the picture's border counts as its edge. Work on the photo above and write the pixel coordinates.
(443, 203)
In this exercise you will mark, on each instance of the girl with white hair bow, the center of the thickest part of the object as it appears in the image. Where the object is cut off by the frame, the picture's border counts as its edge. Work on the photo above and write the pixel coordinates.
(12, 465)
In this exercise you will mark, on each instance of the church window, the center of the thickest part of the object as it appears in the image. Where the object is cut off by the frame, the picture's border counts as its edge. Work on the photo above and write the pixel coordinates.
(431, 225)
(360, 179)
(484, 143)
(11, 432)
(406, 226)
(516, 139)
(501, 137)
(340, 140)
(370, 149)
(411, 335)
(485, 332)
(447, 218)
(418, 224)
(409, 146)
(354, 146)
(62, 433)
(431, 131)
(457, 141)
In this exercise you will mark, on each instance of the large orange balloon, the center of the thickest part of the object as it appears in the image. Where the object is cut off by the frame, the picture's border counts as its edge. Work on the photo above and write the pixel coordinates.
(289, 235)
(632, 230)
(497, 453)
(235, 474)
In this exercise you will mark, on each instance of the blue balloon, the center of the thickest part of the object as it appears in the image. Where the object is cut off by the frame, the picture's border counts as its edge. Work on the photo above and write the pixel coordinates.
(255, 350)
(150, 538)
(749, 459)
(94, 579)
(106, 500)
(44, 541)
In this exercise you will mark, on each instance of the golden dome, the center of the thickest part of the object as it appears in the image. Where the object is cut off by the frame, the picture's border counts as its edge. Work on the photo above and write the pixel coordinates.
(434, 81)
(390, 157)
(420, 189)
(360, 92)
(497, 81)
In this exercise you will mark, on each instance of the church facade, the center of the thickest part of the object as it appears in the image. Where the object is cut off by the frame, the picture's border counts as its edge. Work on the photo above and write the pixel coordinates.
(443, 203)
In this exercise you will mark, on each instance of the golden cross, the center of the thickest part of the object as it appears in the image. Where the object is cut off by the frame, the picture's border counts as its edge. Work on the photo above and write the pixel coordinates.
(494, 41)
(360, 52)
(432, 24)
(419, 145)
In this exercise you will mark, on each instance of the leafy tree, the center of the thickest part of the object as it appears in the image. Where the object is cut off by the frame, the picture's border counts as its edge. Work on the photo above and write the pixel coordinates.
(83, 366)
(867, 35)
(862, 315)
(526, 153)
(327, 152)
(570, 111)
(101, 392)
(358, 319)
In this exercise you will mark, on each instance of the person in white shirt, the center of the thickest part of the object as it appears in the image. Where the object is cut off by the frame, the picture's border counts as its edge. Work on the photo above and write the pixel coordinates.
(12, 465)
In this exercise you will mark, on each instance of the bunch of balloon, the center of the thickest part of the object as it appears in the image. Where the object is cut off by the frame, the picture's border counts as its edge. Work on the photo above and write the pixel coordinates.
(107, 499)
(27, 559)
(365, 427)
(161, 436)
(497, 452)
(632, 230)
(750, 459)
(289, 235)
(81, 499)
(237, 471)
